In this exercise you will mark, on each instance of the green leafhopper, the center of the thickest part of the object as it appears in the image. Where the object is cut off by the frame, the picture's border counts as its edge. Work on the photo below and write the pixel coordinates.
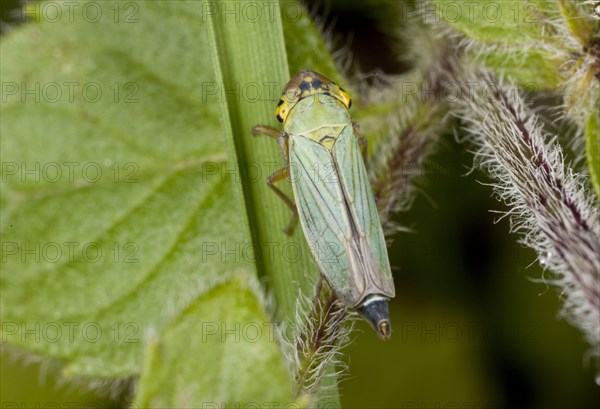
(333, 198)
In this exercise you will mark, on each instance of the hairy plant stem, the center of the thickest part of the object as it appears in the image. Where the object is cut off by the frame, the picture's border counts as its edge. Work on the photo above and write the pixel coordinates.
(549, 204)
(323, 326)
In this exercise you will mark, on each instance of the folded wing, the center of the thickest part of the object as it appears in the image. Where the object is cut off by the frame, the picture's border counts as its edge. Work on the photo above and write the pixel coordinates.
(339, 217)
(361, 204)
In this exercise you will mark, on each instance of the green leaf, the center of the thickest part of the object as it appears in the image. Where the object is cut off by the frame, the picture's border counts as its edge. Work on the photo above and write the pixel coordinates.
(228, 325)
(491, 21)
(284, 261)
(147, 135)
(532, 69)
(580, 26)
(119, 210)
(592, 149)
(512, 35)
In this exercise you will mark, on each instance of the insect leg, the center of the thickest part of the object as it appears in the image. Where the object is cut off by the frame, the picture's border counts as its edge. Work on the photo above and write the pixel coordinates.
(281, 137)
(265, 130)
(284, 173)
(281, 174)
(363, 144)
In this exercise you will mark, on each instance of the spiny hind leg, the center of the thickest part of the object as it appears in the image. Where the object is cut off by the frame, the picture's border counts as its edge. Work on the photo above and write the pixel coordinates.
(282, 137)
(283, 173)
(265, 130)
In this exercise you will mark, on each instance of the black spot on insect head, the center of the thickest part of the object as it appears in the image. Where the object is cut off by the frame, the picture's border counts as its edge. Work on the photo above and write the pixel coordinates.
(304, 86)
(317, 83)
(280, 102)
(279, 117)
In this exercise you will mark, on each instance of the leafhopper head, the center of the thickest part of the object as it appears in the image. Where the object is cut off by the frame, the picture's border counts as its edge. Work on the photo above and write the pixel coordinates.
(307, 84)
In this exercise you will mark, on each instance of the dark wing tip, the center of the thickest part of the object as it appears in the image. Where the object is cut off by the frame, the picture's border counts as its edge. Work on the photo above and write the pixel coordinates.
(375, 309)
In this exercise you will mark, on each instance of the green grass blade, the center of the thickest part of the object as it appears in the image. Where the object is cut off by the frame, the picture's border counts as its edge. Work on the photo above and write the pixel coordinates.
(283, 261)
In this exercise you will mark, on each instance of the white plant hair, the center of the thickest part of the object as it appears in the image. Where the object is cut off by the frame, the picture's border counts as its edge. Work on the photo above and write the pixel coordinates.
(550, 206)
(313, 345)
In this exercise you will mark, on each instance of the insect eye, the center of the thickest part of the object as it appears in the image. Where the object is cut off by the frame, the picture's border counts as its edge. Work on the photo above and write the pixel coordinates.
(280, 111)
(344, 97)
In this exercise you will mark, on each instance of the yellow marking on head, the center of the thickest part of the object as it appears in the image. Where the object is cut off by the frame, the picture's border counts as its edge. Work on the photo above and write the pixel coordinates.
(344, 97)
(308, 83)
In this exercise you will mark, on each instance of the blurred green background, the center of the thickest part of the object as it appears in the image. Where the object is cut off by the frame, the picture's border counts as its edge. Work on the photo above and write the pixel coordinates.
(473, 328)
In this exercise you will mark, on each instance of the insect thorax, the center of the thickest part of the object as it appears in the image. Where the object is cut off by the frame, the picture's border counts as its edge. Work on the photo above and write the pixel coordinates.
(318, 117)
